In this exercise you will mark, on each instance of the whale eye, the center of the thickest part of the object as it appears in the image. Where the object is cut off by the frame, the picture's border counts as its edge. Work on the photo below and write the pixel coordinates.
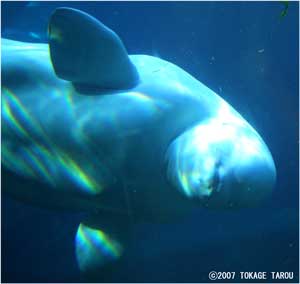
(213, 183)
(215, 179)
(204, 188)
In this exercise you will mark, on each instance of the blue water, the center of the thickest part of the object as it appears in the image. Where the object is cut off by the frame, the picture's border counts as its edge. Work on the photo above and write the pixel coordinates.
(249, 55)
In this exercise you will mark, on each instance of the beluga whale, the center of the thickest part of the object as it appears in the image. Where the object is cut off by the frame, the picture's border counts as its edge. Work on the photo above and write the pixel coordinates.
(125, 138)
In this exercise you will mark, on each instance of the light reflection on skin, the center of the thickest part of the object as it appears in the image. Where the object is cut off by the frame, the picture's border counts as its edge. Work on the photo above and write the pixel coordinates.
(55, 34)
(55, 123)
(41, 157)
(225, 137)
(181, 88)
(56, 134)
(149, 106)
(10, 103)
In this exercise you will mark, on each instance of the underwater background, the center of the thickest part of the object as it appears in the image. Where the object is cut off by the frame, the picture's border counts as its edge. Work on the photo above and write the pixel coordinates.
(248, 53)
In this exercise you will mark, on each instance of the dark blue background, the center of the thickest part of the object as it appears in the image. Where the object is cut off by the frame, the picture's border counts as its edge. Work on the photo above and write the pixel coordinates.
(218, 43)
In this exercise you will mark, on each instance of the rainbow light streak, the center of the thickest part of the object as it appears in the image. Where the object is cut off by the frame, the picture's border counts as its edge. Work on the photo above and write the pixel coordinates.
(11, 102)
(141, 96)
(76, 174)
(31, 156)
(40, 161)
(145, 100)
(82, 123)
(11, 120)
(94, 245)
(13, 162)
(185, 184)
(55, 34)
(69, 101)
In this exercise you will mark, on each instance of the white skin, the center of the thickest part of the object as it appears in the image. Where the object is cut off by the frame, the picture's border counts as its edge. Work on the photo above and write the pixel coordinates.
(84, 144)
(163, 146)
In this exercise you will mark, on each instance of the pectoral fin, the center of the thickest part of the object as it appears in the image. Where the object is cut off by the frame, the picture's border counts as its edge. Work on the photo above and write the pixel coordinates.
(95, 248)
(87, 53)
(100, 240)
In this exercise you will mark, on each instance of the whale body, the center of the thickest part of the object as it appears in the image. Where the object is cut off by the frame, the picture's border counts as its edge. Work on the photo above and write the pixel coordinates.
(125, 137)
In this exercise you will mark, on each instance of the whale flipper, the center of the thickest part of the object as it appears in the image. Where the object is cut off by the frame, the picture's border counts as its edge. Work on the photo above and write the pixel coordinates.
(87, 53)
(94, 248)
(100, 240)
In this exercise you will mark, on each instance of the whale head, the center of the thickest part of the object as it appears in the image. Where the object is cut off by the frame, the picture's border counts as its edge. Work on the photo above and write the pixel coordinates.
(222, 162)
